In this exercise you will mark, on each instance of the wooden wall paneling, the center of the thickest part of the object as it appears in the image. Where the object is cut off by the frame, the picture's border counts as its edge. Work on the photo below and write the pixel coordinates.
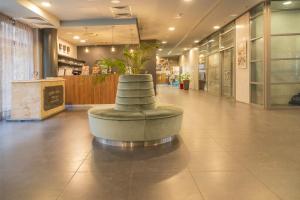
(82, 90)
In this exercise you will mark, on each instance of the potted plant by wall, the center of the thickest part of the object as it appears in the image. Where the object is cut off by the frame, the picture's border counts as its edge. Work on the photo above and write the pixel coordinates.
(186, 81)
(180, 82)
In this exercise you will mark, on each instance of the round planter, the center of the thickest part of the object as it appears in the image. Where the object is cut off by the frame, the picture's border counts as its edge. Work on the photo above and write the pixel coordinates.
(186, 84)
(181, 86)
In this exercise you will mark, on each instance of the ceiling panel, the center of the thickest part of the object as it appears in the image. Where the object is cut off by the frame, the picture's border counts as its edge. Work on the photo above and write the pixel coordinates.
(100, 35)
(155, 16)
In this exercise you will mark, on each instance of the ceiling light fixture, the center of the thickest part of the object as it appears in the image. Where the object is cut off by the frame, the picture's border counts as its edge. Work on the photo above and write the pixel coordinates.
(185, 49)
(287, 3)
(164, 42)
(86, 50)
(196, 41)
(160, 49)
(113, 49)
(83, 41)
(187, 0)
(115, 1)
(216, 27)
(46, 4)
(172, 28)
(76, 37)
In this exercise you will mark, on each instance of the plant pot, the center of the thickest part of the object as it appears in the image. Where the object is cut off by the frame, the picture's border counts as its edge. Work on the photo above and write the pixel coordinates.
(186, 84)
(181, 86)
(135, 93)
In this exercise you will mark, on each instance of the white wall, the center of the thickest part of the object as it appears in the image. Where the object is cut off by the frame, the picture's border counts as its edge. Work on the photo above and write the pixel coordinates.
(243, 74)
(73, 48)
(189, 63)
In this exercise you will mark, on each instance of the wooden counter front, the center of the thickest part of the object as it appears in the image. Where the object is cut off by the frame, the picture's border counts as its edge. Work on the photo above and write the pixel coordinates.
(84, 90)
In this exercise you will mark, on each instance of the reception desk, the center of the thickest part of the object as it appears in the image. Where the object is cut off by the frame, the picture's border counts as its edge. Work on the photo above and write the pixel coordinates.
(37, 99)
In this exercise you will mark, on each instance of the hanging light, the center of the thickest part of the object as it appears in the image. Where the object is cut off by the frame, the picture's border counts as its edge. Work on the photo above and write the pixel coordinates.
(86, 50)
(113, 49)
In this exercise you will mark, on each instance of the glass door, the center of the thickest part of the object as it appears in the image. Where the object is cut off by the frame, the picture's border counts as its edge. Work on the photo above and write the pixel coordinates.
(227, 72)
(214, 74)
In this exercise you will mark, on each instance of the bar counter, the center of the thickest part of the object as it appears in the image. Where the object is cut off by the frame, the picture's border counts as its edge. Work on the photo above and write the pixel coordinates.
(84, 90)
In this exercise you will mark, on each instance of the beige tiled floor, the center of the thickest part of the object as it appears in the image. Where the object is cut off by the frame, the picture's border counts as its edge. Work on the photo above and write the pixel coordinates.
(226, 151)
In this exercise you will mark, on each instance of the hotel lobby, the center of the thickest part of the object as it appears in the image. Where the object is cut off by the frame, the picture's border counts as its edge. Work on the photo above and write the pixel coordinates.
(154, 100)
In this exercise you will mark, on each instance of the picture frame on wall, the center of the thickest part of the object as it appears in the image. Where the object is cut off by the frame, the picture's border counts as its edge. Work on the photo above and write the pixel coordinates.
(242, 55)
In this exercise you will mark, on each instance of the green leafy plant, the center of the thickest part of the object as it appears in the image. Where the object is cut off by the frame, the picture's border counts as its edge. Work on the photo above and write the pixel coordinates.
(185, 76)
(137, 58)
(110, 63)
(134, 60)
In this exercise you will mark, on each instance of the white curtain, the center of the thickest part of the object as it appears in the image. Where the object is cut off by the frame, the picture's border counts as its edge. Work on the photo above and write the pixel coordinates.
(16, 57)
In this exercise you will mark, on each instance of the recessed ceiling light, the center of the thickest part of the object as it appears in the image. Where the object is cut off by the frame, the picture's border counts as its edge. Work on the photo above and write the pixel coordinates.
(172, 28)
(187, 0)
(216, 27)
(82, 41)
(76, 37)
(160, 49)
(185, 49)
(287, 3)
(115, 1)
(46, 4)
(196, 41)
(164, 42)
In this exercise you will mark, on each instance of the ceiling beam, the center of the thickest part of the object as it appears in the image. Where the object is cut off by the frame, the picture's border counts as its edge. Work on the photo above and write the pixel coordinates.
(40, 12)
(98, 22)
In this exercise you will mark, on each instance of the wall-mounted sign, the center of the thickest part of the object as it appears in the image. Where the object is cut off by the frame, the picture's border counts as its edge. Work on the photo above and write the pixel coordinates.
(242, 54)
(53, 97)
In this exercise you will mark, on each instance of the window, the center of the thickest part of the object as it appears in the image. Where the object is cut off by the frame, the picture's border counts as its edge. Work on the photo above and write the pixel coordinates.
(16, 58)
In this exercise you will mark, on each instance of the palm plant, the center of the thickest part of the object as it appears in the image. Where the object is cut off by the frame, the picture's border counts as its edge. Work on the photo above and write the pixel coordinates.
(136, 59)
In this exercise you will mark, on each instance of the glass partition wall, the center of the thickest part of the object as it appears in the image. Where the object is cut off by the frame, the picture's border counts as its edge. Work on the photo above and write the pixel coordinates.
(214, 68)
(274, 55)
(216, 53)
(257, 55)
(285, 52)
(227, 52)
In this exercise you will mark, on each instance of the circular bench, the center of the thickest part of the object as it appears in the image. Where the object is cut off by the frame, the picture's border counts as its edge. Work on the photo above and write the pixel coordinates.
(135, 116)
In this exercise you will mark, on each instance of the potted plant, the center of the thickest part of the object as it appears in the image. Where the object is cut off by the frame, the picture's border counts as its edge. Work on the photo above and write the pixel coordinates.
(186, 81)
(180, 82)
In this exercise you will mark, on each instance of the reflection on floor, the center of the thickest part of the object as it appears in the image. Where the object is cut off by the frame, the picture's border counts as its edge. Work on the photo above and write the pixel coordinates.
(226, 151)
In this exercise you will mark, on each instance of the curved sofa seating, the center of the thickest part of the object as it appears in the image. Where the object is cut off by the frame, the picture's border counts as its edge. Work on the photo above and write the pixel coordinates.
(135, 117)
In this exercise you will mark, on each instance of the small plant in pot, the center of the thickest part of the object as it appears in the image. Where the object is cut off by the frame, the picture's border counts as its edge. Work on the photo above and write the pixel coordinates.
(186, 81)
(180, 82)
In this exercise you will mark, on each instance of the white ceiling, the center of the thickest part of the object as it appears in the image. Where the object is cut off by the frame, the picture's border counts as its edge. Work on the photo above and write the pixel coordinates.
(155, 16)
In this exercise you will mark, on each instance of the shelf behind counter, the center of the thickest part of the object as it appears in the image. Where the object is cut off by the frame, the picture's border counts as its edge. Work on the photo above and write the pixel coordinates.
(84, 90)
